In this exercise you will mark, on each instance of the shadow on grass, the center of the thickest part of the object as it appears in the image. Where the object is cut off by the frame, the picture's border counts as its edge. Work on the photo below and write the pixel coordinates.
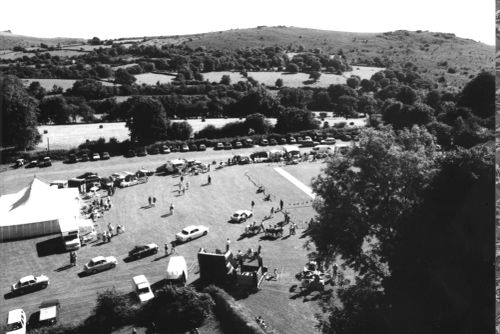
(9, 295)
(146, 207)
(161, 257)
(166, 215)
(50, 247)
(100, 243)
(65, 267)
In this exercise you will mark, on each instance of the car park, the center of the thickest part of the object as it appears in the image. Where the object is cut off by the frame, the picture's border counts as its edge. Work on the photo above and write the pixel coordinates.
(45, 162)
(202, 147)
(191, 232)
(48, 313)
(96, 157)
(142, 288)
(105, 156)
(99, 263)
(16, 322)
(138, 252)
(29, 283)
(241, 215)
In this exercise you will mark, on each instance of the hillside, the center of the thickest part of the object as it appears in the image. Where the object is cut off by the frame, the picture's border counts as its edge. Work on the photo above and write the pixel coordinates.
(9, 40)
(459, 58)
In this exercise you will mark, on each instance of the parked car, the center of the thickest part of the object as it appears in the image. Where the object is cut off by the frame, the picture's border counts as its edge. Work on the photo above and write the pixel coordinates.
(84, 157)
(105, 156)
(45, 162)
(72, 158)
(202, 147)
(48, 313)
(138, 252)
(191, 232)
(174, 148)
(89, 177)
(308, 143)
(32, 164)
(273, 142)
(142, 288)
(328, 141)
(238, 144)
(184, 148)
(263, 142)
(165, 149)
(99, 263)
(228, 146)
(142, 152)
(307, 138)
(193, 147)
(292, 140)
(130, 153)
(29, 283)
(283, 141)
(154, 150)
(16, 322)
(299, 140)
(20, 162)
(241, 215)
(96, 157)
(248, 142)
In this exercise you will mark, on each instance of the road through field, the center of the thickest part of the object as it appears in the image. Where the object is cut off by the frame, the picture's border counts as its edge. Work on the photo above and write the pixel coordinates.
(295, 182)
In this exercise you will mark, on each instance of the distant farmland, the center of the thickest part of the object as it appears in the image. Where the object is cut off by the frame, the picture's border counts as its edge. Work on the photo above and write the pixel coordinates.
(48, 84)
(152, 78)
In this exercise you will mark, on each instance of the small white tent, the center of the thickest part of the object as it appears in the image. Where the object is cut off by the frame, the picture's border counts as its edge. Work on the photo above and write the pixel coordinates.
(36, 210)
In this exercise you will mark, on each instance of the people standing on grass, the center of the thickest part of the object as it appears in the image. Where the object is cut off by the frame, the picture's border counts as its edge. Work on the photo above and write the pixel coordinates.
(171, 208)
(182, 178)
(252, 204)
(281, 204)
(228, 242)
(209, 179)
(110, 228)
(166, 248)
(149, 200)
(187, 185)
(154, 201)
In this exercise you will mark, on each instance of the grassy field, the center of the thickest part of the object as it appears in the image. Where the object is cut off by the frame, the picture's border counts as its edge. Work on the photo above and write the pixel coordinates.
(211, 205)
(296, 79)
(48, 84)
(152, 78)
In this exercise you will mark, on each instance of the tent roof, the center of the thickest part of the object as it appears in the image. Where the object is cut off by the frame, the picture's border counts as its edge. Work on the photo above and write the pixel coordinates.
(39, 202)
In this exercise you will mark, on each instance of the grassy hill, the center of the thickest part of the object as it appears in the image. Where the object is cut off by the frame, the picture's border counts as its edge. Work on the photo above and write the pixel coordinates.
(459, 58)
(9, 40)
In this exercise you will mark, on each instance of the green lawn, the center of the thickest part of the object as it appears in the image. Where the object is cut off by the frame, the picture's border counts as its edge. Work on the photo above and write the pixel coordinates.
(210, 205)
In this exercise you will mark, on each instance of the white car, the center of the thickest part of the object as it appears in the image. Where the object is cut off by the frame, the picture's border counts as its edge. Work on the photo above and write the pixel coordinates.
(241, 215)
(191, 232)
(29, 283)
(99, 263)
(96, 156)
(16, 322)
(142, 288)
(328, 141)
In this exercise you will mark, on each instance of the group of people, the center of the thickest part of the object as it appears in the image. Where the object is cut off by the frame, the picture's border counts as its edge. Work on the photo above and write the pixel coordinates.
(183, 186)
(152, 201)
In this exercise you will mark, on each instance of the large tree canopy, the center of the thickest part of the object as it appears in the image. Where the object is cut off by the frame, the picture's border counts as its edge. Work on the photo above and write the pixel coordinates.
(19, 120)
(294, 119)
(147, 120)
(479, 95)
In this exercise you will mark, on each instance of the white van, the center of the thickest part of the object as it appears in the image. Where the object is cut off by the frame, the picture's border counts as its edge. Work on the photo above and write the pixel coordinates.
(177, 272)
(16, 322)
(142, 288)
(326, 149)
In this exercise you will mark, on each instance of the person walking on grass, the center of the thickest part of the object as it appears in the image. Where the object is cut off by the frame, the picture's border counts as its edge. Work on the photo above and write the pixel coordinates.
(171, 208)
(281, 205)
(209, 179)
(149, 200)
(252, 204)
(154, 201)
(172, 245)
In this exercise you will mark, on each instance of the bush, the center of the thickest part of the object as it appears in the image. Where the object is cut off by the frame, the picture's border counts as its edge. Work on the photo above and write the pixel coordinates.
(340, 125)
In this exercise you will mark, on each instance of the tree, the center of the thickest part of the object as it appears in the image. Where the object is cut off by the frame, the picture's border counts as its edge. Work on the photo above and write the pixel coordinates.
(95, 41)
(146, 120)
(314, 75)
(294, 119)
(258, 123)
(180, 130)
(347, 106)
(112, 311)
(19, 121)
(353, 82)
(122, 76)
(54, 109)
(479, 95)
(406, 95)
(36, 90)
(225, 80)
(292, 68)
(279, 83)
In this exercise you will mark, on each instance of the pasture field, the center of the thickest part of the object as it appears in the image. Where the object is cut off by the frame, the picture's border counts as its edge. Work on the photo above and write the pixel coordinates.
(232, 188)
(152, 78)
(65, 84)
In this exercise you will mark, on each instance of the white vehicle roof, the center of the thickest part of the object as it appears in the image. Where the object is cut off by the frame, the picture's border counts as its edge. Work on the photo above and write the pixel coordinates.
(239, 212)
(140, 279)
(152, 245)
(290, 148)
(48, 312)
(97, 258)
(177, 162)
(26, 278)
(192, 227)
(15, 316)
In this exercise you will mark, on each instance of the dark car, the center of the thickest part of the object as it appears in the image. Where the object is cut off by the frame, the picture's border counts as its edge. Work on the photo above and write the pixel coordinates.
(84, 157)
(72, 158)
(89, 177)
(31, 164)
(138, 252)
(45, 162)
(273, 142)
(238, 144)
(174, 148)
(228, 146)
(283, 141)
(130, 153)
(263, 142)
(105, 156)
(202, 147)
(248, 142)
(154, 150)
(165, 149)
(141, 152)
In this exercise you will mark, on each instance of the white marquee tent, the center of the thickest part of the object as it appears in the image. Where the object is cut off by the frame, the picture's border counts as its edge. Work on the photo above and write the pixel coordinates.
(37, 210)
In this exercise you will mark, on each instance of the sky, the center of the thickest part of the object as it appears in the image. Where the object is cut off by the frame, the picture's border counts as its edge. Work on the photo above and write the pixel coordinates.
(131, 18)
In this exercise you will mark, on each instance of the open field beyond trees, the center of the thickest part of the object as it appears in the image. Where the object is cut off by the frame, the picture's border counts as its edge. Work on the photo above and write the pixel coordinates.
(231, 189)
